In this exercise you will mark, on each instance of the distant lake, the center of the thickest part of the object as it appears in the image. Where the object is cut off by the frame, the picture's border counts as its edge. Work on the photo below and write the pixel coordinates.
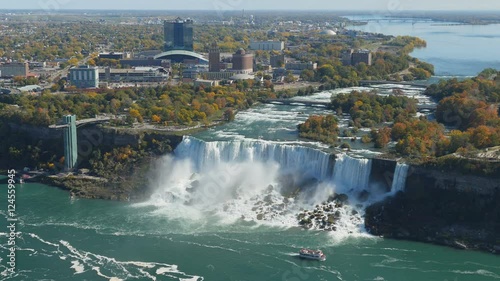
(454, 50)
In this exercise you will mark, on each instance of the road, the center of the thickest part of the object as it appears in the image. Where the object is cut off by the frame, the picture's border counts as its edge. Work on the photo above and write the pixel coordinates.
(97, 119)
(63, 73)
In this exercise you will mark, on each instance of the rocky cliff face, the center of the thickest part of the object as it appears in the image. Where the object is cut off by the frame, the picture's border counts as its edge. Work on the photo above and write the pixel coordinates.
(130, 179)
(96, 136)
(445, 208)
(36, 132)
(382, 173)
(108, 137)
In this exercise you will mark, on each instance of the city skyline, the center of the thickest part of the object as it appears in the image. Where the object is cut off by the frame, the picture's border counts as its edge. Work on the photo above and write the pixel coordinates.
(388, 5)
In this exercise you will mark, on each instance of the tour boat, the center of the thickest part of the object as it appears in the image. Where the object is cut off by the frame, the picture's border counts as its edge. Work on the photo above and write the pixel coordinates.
(312, 254)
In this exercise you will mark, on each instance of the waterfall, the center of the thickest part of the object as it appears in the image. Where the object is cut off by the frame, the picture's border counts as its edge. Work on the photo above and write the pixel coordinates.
(399, 180)
(291, 158)
(352, 173)
(258, 181)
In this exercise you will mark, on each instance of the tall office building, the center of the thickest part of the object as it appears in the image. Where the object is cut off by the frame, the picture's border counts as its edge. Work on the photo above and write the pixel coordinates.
(70, 142)
(178, 35)
(214, 58)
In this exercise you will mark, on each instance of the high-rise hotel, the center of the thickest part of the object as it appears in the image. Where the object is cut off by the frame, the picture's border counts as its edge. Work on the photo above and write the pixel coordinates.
(178, 35)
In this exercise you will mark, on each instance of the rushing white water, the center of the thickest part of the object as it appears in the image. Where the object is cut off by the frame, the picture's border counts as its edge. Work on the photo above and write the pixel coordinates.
(352, 174)
(399, 180)
(208, 183)
(310, 162)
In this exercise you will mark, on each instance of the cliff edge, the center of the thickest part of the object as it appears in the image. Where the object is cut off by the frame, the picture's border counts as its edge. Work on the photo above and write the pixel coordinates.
(442, 207)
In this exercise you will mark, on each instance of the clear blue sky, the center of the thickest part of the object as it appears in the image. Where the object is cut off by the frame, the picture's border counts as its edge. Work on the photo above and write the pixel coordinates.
(389, 5)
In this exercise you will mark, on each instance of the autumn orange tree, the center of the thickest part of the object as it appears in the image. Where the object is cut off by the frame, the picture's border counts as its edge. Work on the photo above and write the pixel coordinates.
(419, 138)
(471, 106)
(322, 128)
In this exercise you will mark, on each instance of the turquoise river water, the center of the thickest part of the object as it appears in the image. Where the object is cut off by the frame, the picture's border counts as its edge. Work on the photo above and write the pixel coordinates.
(218, 212)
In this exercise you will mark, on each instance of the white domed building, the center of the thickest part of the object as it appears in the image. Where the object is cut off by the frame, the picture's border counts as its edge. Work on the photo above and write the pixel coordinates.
(328, 32)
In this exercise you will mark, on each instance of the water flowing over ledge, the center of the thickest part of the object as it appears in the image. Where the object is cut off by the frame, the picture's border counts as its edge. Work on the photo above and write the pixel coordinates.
(265, 182)
(310, 161)
(399, 181)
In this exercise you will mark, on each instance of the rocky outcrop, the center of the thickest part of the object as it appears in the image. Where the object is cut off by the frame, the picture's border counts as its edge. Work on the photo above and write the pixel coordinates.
(132, 186)
(326, 215)
(445, 208)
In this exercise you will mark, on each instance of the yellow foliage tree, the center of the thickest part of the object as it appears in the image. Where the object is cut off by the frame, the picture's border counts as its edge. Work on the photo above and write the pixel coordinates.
(73, 61)
(155, 118)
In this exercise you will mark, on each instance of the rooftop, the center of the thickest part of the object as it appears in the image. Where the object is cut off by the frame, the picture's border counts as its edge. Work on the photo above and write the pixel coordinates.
(242, 77)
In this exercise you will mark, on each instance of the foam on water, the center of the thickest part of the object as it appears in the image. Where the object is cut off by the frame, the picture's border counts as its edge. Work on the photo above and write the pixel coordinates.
(237, 180)
(107, 267)
(79, 268)
(269, 113)
(258, 182)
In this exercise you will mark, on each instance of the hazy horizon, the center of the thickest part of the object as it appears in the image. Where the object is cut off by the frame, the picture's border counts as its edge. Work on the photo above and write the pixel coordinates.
(311, 5)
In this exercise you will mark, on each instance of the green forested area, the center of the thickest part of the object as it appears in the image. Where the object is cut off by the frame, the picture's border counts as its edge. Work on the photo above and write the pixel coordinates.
(321, 128)
(368, 109)
(163, 105)
(469, 108)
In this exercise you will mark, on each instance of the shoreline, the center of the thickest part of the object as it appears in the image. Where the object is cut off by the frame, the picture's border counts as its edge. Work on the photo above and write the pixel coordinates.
(88, 187)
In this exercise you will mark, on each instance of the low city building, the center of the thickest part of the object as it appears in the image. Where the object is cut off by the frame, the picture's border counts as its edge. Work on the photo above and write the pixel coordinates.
(267, 45)
(30, 89)
(224, 75)
(206, 83)
(138, 74)
(299, 66)
(242, 76)
(114, 56)
(36, 64)
(145, 62)
(278, 60)
(13, 69)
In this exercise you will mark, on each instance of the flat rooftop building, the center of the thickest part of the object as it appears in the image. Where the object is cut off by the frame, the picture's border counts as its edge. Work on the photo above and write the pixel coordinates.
(84, 76)
(114, 56)
(267, 45)
(138, 74)
(14, 69)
